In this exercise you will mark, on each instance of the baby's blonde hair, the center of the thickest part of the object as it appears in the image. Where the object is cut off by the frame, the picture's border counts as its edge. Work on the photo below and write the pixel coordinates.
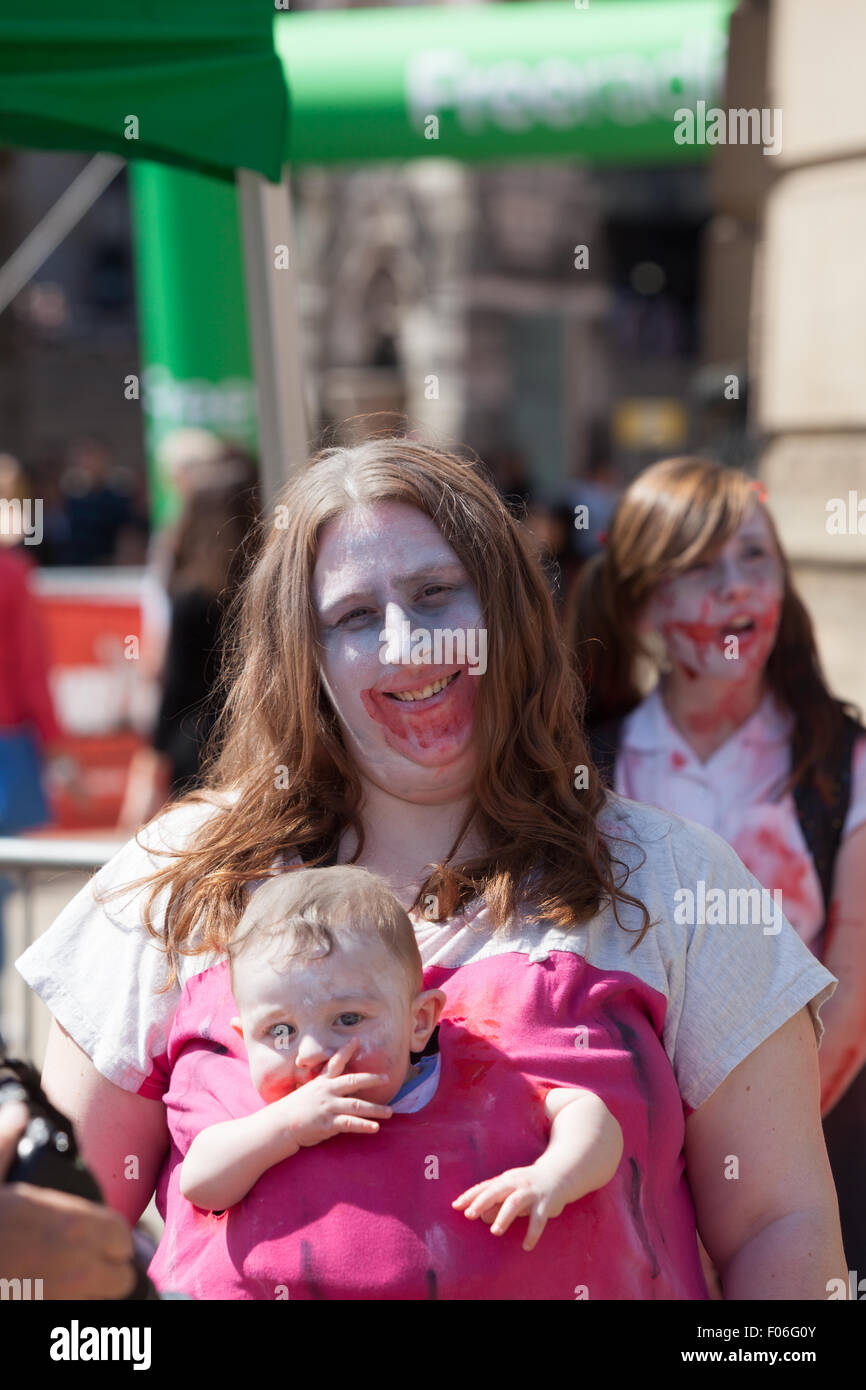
(304, 912)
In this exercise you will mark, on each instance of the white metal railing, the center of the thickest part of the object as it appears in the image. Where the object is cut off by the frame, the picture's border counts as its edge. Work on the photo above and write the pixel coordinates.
(23, 860)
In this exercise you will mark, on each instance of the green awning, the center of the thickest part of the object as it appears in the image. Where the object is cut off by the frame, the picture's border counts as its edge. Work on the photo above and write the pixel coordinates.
(200, 76)
(496, 81)
(504, 81)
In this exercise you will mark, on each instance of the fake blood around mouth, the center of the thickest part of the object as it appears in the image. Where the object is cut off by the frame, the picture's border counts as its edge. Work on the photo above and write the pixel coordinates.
(709, 637)
(440, 718)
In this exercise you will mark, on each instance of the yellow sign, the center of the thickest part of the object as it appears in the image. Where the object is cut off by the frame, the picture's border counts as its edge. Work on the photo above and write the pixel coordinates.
(653, 422)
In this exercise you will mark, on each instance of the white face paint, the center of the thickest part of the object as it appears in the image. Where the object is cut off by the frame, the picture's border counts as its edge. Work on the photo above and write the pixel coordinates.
(383, 571)
(295, 1019)
(736, 593)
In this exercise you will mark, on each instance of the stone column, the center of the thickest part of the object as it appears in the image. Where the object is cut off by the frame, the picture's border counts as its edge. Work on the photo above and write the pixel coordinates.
(809, 341)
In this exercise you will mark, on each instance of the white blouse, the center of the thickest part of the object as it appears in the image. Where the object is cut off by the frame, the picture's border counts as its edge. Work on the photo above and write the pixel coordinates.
(735, 793)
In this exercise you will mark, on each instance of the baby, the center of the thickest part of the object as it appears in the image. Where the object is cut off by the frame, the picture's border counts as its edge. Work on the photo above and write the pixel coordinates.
(327, 977)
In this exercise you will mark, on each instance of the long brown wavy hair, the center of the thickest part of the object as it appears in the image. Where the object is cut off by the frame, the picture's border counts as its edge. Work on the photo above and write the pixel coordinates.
(675, 513)
(278, 745)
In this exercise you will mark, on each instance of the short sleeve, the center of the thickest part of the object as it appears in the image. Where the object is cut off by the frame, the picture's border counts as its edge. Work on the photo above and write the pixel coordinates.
(856, 815)
(735, 981)
(100, 972)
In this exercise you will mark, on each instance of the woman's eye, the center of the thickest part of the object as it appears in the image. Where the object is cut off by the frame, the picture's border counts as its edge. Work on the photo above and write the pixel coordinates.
(349, 1020)
(355, 613)
(433, 589)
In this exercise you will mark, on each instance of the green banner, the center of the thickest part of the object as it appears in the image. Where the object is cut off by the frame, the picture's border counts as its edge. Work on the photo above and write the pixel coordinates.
(196, 364)
(599, 81)
(197, 83)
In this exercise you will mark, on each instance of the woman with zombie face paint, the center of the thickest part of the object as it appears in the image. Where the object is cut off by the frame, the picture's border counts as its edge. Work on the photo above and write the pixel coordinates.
(400, 698)
(740, 733)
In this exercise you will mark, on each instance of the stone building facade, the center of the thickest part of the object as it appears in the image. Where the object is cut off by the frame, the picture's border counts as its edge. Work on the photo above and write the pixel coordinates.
(786, 294)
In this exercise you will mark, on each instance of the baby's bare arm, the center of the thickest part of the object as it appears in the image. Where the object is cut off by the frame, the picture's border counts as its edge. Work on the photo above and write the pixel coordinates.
(582, 1155)
(585, 1144)
(225, 1160)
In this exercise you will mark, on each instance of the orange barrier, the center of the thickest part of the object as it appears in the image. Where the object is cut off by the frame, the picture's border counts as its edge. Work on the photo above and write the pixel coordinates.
(92, 622)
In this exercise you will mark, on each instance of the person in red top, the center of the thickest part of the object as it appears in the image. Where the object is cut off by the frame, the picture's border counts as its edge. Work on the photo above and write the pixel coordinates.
(25, 696)
(28, 724)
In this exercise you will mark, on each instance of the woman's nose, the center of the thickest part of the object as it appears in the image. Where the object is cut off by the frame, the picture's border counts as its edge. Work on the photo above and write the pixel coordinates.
(394, 632)
(733, 581)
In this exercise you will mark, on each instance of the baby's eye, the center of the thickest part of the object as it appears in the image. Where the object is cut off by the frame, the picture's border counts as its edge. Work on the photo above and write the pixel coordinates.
(281, 1030)
(349, 1020)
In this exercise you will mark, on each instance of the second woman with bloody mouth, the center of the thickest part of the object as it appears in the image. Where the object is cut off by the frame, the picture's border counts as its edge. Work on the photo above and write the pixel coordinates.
(740, 733)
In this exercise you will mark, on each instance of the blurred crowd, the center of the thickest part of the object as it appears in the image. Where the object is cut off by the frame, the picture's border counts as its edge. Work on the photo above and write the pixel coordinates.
(568, 524)
(93, 511)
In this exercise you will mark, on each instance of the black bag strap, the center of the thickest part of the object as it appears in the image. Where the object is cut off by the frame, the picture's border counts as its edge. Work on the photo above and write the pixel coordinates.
(822, 821)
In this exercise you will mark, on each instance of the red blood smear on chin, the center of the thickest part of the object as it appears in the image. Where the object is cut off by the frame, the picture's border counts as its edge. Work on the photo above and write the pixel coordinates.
(427, 727)
(705, 638)
(699, 633)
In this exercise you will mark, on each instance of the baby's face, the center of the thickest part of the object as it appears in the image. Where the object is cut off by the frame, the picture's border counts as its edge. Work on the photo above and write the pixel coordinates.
(295, 1019)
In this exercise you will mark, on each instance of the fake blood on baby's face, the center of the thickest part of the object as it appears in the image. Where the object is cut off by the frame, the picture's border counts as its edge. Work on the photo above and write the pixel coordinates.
(720, 617)
(296, 1013)
(387, 569)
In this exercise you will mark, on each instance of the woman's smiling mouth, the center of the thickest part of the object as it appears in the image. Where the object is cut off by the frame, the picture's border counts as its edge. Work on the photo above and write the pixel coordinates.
(417, 695)
(430, 720)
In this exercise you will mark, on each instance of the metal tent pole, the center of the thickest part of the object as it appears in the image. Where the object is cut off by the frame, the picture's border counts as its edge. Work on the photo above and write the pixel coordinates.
(270, 265)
